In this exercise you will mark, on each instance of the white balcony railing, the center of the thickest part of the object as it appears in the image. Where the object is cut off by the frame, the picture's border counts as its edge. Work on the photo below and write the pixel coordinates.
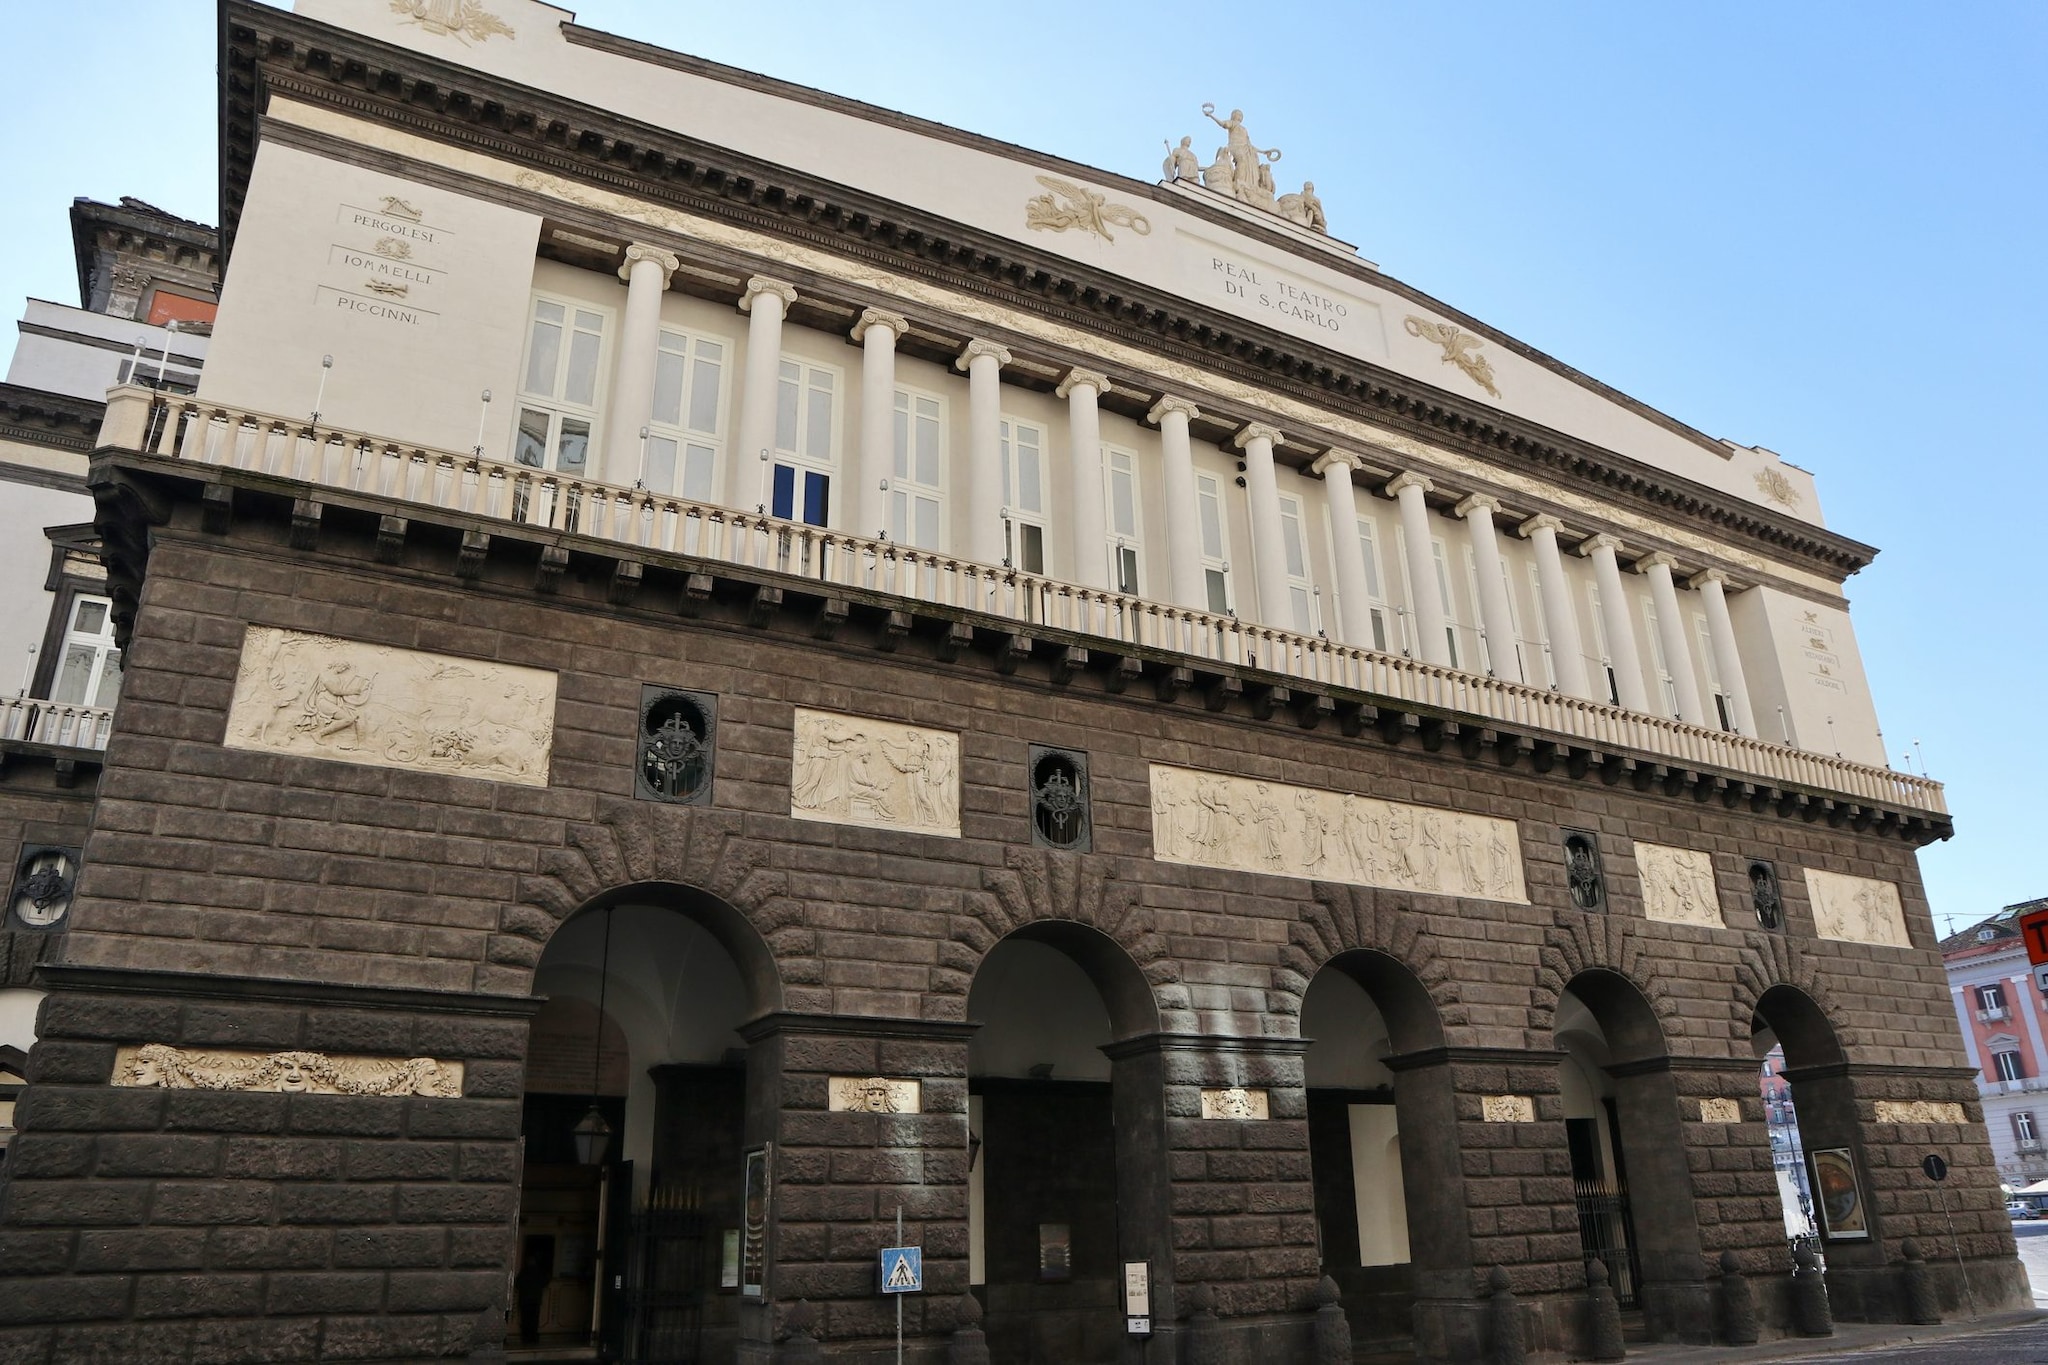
(205, 433)
(54, 722)
(1993, 1014)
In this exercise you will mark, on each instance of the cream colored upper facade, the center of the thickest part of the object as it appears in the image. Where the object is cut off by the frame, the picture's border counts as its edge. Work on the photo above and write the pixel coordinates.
(390, 278)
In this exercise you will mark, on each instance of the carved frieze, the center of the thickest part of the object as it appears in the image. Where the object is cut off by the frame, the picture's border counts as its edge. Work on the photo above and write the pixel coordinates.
(158, 1066)
(1077, 206)
(314, 695)
(1507, 1108)
(1245, 825)
(1919, 1111)
(873, 1095)
(849, 770)
(1235, 1102)
(1720, 1111)
(1856, 909)
(1678, 885)
(1460, 348)
(458, 19)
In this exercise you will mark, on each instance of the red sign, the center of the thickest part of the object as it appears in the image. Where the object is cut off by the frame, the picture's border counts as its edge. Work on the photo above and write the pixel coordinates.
(2034, 933)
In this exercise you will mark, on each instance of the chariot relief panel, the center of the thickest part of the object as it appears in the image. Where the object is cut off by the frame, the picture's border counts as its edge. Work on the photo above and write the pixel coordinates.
(849, 770)
(1678, 885)
(1245, 825)
(1856, 909)
(300, 693)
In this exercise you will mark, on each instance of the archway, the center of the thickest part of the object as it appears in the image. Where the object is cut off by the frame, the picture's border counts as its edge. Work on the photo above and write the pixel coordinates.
(1389, 1196)
(1064, 1144)
(636, 1249)
(1809, 1107)
(18, 1007)
(1630, 1178)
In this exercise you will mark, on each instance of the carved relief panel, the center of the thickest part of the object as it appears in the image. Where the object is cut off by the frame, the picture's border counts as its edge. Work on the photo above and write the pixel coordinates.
(1678, 885)
(1857, 909)
(1244, 825)
(849, 770)
(158, 1066)
(299, 693)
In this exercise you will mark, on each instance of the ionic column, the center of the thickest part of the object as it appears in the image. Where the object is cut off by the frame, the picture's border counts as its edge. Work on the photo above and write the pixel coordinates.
(876, 332)
(1711, 585)
(1407, 488)
(1183, 509)
(984, 361)
(1081, 389)
(1269, 558)
(1355, 610)
(646, 273)
(1478, 510)
(766, 303)
(1614, 614)
(1671, 631)
(1560, 621)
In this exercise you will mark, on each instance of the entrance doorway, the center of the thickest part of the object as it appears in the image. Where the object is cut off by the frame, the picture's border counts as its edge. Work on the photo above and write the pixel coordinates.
(1810, 1113)
(1045, 1241)
(631, 1253)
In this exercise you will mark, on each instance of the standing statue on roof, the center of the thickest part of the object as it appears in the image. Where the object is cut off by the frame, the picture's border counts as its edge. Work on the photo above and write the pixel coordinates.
(1244, 157)
(1180, 162)
(1244, 171)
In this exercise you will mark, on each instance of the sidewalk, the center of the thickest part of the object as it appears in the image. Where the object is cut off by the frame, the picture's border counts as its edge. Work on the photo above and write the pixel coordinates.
(1849, 1337)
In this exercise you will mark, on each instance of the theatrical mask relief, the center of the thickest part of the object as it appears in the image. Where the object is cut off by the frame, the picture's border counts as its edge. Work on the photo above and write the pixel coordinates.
(849, 770)
(300, 693)
(1245, 825)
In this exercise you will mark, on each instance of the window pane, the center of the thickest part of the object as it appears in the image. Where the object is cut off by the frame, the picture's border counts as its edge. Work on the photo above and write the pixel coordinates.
(109, 689)
(530, 444)
(1372, 561)
(572, 448)
(787, 391)
(74, 675)
(661, 464)
(1298, 599)
(1211, 508)
(1443, 580)
(818, 419)
(928, 445)
(704, 376)
(698, 462)
(589, 322)
(1123, 503)
(544, 356)
(1127, 569)
(581, 387)
(902, 465)
(1219, 591)
(1008, 452)
(1033, 558)
(1290, 537)
(668, 388)
(928, 523)
(899, 515)
(1030, 482)
(90, 616)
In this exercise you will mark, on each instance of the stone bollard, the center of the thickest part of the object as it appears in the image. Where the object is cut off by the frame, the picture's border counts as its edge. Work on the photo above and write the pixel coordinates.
(487, 1336)
(1603, 1315)
(1332, 1328)
(1205, 1334)
(1738, 1304)
(969, 1346)
(1811, 1316)
(1504, 1320)
(1923, 1304)
(798, 1346)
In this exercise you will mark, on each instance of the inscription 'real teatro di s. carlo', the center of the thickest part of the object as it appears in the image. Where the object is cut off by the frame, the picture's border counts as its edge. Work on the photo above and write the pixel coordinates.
(1257, 289)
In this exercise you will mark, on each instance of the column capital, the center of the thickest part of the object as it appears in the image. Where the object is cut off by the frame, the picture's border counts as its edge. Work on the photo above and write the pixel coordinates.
(1406, 479)
(1474, 504)
(1654, 560)
(977, 348)
(637, 252)
(1706, 576)
(1258, 431)
(1078, 378)
(1542, 521)
(893, 323)
(1169, 404)
(1602, 541)
(761, 284)
(1335, 459)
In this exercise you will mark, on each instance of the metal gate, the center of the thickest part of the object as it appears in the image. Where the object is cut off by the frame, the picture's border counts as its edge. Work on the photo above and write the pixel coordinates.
(662, 1303)
(1607, 1231)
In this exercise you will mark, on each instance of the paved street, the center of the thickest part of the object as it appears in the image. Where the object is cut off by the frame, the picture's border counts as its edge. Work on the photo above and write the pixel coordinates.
(2012, 1346)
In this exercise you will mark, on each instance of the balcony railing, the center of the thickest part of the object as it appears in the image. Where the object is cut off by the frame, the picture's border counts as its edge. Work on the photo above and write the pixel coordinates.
(205, 433)
(59, 723)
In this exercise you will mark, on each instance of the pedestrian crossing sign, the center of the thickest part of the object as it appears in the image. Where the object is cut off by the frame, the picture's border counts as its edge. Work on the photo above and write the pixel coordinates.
(902, 1270)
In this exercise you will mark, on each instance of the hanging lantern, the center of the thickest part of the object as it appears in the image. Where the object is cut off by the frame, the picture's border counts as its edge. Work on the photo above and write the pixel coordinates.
(593, 1138)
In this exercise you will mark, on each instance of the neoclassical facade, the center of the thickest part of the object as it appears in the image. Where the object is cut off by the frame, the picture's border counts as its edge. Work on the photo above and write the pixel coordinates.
(717, 679)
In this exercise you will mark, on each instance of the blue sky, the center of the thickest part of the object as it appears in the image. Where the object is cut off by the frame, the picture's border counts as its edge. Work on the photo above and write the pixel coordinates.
(1814, 227)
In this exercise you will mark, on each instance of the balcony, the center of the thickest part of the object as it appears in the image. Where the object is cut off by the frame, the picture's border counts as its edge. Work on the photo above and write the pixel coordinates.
(186, 430)
(58, 725)
(1993, 1014)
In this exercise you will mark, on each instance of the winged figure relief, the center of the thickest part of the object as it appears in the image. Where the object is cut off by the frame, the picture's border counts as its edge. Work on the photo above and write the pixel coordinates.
(1460, 349)
(1079, 207)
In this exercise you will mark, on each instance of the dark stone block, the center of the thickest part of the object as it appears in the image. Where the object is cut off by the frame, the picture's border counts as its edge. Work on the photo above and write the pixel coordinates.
(198, 1296)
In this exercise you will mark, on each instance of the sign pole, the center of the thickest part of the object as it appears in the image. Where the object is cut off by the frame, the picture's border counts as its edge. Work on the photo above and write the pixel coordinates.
(899, 1297)
(1954, 1245)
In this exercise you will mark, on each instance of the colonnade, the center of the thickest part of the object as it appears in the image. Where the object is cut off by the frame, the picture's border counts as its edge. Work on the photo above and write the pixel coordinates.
(878, 331)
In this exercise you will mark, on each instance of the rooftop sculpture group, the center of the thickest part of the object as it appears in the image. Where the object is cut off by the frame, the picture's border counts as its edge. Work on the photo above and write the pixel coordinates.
(1245, 173)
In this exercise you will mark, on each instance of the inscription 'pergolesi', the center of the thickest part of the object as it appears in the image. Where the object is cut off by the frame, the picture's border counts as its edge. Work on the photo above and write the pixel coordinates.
(1245, 825)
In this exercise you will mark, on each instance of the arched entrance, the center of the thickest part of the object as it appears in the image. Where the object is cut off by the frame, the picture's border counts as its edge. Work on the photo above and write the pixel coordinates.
(1389, 1195)
(1810, 1112)
(632, 1223)
(1061, 1176)
(1630, 1179)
